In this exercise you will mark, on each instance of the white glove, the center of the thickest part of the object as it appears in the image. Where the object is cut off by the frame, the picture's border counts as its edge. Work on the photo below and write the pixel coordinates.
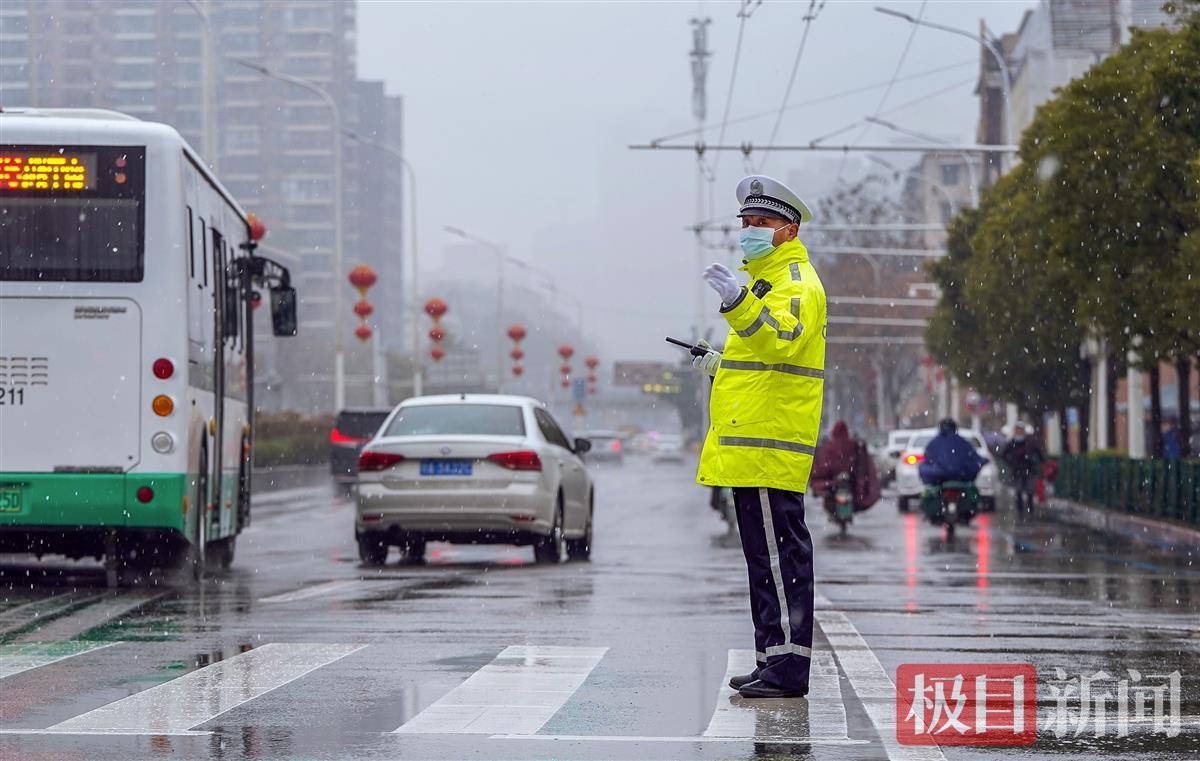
(723, 282)
(707, 362)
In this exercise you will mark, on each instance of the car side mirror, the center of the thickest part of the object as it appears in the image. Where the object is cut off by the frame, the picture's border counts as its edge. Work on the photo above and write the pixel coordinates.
(582, 446)
(283, 311)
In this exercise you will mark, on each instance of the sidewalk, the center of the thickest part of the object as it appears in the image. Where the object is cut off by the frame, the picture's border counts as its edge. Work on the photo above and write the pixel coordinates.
(1135, 527)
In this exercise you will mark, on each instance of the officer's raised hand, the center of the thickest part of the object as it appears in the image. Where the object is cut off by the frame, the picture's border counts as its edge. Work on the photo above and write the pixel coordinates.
(723, 281)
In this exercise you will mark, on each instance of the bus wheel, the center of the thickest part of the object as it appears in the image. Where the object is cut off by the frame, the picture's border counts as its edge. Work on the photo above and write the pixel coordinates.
(220, 552)
(201, 507)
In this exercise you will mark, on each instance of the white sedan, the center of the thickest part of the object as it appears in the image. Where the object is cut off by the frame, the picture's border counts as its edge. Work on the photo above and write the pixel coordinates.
(908, 480)
(473, 468)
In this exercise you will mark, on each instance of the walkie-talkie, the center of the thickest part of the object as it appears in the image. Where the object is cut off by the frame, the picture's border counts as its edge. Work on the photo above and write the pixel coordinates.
(696, 351)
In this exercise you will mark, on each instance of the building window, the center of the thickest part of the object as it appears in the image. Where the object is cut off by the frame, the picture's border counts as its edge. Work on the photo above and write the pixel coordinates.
(242, 139)
(308, 18)
(307, 189)
(135, 72)
(947, 212)
(14, 24)
(950, 174)
(134, 24)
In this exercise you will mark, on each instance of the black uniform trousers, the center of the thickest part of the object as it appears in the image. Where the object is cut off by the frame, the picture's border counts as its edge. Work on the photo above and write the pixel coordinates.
(779, 561)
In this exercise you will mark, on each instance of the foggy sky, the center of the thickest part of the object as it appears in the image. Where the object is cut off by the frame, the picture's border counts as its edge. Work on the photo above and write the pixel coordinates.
(518, 118)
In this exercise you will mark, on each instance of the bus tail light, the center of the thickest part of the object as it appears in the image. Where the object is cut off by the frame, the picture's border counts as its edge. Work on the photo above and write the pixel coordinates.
(371, 461)
(163, 368)
(145, 494)
(162, 442)
(162, 405)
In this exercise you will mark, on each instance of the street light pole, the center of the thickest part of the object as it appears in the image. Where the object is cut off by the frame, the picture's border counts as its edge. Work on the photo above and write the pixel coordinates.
(414, 292)
(500, 257)
(974, 180)
(339, 353)
(207, 96)
(1005, 76)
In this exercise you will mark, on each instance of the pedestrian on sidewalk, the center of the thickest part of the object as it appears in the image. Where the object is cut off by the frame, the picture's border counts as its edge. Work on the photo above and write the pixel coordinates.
(765, 418)
(1023, 457)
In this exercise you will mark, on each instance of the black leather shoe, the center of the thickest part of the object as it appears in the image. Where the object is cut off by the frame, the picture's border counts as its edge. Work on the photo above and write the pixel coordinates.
(738, 682)
(760, 689)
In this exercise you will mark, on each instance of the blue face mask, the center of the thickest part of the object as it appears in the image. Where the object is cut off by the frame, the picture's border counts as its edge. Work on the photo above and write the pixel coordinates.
(757, 242)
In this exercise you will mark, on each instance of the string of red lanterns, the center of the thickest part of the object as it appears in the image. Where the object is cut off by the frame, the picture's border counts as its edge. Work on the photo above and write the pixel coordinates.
(516, 333)
(566, 351)
(436, 309)
(592, 363)
(362, 278)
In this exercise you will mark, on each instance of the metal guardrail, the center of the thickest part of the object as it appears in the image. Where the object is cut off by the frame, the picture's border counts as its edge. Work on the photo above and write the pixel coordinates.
(1149, 488)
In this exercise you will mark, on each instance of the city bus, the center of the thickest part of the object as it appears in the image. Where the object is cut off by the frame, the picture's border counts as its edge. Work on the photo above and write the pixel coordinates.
(128, 277)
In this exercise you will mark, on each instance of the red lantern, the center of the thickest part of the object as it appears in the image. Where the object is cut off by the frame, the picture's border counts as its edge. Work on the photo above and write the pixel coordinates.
(592, 362)
(592, 378)
(436, 334)
(566, 383)
(255, 299)
(364, 309)
(565, 369)
(517, 370)
(258, 230)
(363, 332)
(592, 390)
(437, 353)
(516, 332)
(565, 351)
(517, 355)
(362, 277)
(435, 308)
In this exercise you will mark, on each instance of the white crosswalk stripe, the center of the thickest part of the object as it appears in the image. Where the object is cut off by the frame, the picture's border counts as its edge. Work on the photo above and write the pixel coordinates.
(871, 683)
(15, 659)
(517, 693)
(182, 704)
(821, 714)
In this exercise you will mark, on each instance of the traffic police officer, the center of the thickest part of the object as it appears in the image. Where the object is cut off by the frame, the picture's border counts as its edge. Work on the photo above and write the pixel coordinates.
(766, 413)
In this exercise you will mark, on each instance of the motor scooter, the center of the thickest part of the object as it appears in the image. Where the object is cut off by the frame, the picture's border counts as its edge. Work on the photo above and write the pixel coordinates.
(950, 504)
(839, 501)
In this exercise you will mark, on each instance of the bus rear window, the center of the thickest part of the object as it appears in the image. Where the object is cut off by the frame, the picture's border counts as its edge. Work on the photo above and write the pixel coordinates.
(72, 213)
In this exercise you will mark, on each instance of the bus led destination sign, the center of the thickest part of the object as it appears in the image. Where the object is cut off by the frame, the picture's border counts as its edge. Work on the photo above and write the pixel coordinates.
(47, 171)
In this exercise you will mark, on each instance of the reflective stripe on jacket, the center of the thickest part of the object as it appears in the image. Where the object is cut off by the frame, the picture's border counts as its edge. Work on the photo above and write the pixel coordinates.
(766, 397)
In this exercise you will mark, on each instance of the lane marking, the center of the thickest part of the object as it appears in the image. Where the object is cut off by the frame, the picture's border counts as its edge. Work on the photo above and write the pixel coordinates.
(23, 616)
(871, 683)
(515, 694)
(15, 659)
(685, 739)
(96, 611)
(315, 590)
(202, 695)
(821, 714)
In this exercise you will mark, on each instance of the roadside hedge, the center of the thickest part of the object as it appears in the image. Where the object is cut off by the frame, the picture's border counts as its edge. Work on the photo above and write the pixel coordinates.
(289, 438)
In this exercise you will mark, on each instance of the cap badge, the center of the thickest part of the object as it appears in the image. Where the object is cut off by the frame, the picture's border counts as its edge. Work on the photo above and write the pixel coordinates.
(756, 187)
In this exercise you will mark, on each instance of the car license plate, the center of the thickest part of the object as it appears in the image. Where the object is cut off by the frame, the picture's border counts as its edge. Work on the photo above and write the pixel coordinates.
(445, 467)
(10, 500)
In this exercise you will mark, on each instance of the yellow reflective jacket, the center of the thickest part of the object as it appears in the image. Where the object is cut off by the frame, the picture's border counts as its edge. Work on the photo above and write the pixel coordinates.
(766, 397)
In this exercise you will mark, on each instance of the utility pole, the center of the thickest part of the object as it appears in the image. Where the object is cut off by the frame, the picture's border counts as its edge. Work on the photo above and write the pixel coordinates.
(699, 56)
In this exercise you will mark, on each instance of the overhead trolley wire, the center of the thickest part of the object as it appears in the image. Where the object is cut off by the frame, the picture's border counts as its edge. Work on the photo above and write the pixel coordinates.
(814, 10)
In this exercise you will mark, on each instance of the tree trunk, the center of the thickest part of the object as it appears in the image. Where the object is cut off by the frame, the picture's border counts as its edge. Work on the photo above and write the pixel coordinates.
(1085, 406)
(1156, 449)
(1183, 367)
(1110, 411)
(1064, 430)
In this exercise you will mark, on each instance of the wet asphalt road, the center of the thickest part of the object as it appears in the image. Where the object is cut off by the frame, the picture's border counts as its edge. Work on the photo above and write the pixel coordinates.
(298, 652)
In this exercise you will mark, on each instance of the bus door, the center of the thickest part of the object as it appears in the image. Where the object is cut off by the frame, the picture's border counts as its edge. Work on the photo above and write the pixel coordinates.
(217, 431)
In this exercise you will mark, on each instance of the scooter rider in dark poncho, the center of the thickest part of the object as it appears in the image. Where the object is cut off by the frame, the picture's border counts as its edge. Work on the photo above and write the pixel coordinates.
(950, 457)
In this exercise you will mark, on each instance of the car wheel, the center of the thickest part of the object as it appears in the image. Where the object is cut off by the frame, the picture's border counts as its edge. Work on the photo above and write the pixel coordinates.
(413, 550)
(902, 504)
(581, 548)
(372, 550)
(550, 549)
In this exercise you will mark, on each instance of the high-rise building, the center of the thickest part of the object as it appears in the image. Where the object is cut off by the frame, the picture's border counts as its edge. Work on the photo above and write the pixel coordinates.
(275, 142)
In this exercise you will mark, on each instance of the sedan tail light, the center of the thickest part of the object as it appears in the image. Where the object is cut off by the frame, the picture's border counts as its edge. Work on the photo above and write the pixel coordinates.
(616, 446)
(523, 460)
(337, 437)
(913, 459)
(371, 460)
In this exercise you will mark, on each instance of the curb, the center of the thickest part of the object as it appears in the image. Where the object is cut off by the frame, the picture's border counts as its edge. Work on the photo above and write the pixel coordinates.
(1135, 527)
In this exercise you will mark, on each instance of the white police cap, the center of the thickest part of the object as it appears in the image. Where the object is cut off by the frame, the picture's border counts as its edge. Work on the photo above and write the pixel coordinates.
(759, 194)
